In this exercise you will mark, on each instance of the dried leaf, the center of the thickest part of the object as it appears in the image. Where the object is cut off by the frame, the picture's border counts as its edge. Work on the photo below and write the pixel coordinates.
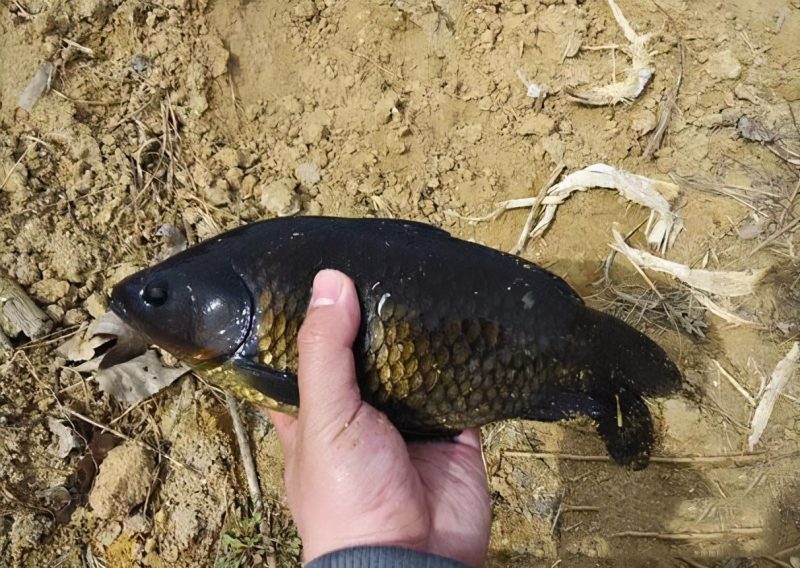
(83, 346)
(36, 87)
(722, 283)
(65, 439)
(780, 378)
(139, 378)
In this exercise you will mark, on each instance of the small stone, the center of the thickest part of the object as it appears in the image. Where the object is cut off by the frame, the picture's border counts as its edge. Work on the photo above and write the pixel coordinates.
(293, 105)
(536, 124)
(790, 89)
(472, 133)
(141, 63)
(123, 481)
(234, 177)
(96, 305)
(217, 193)
(280, 197)
(314, 208)
(248, 185)
(308, 174)
(643, 122)
(315, 127)
(319, 157)
(15, 176)
(55, 312)
(386, 106)
(306, 10)
(746, 93)
(229, 157)
(50, 290)
(487, 37)
(517, 8)
(108, 533)
(75, 316)
(723, 65)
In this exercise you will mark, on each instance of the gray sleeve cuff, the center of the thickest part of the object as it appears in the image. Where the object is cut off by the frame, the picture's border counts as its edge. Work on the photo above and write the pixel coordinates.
(382, 557)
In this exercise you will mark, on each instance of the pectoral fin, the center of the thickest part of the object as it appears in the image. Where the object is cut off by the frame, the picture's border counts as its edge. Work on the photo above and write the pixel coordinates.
(277, 386)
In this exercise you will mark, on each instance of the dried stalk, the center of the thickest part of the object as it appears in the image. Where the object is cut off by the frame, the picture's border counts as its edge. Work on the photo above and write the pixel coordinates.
(665, 113)
(783, 372)
(523, 238)
(746, 531)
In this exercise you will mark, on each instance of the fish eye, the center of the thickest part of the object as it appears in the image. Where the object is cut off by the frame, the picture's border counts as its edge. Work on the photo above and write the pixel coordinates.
(155, 293)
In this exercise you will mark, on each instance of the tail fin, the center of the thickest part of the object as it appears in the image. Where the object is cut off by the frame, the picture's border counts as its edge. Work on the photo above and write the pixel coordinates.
(626, 427)
(623, 365)
(622, 357)
(616, 367)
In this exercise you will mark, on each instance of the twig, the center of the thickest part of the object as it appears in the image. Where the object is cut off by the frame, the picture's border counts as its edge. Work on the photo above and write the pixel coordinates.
(84, 101)
(665, 112)
(244, 449)
(690, 562)
(788, 550)
(747, 531)
(119, 434)
(775, 235)
(777, 562)
(249, 463)
(577, 508)
(376, 64)
(721, 459)
(14, 167)
(523, 238)
(751, 401)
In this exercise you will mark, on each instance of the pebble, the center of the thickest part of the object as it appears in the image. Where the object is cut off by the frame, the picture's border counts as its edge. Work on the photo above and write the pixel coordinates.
(50, 290)
(536, 124)
(280, 197)
(723, 65)
(229, 157)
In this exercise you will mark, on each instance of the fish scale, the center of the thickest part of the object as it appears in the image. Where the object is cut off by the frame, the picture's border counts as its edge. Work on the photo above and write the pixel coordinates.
(453, 334)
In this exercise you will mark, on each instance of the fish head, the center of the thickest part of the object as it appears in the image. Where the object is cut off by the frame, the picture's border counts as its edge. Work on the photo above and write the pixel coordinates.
(196, 306)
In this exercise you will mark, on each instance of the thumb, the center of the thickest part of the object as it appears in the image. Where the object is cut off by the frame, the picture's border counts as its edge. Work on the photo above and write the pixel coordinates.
(326, 370)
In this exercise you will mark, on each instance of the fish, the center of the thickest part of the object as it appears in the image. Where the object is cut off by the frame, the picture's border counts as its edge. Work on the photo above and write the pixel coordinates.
(453, 334)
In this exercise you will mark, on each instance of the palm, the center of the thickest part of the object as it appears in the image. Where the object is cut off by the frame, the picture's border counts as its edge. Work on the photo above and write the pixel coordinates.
(454, 479)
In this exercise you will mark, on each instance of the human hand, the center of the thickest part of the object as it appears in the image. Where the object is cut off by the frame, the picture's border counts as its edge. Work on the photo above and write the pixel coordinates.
(351, 479)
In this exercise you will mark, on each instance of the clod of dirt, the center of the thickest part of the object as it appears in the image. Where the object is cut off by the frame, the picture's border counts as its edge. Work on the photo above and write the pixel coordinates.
(50, 290)
(305, 10)
(537, 124)
(27, 532)
(315, 127)
(723, 65)
(229, 157)
(280, 197)
(124, 479)
(13, 177)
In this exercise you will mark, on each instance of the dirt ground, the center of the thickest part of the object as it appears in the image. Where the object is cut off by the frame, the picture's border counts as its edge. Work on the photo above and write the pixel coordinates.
(206, 114)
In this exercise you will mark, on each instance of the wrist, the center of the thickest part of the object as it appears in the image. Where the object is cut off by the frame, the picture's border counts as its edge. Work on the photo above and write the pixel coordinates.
(387, 556)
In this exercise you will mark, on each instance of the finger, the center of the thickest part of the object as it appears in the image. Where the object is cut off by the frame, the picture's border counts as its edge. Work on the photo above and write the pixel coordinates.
(470, 437)
(326, 369)
(285, 427)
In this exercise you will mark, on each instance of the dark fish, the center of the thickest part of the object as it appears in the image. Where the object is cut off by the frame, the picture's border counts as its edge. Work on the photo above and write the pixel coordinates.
(453, 334)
